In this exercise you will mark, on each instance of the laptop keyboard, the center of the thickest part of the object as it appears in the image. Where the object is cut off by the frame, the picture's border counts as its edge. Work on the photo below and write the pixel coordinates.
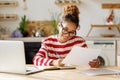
(29, 69)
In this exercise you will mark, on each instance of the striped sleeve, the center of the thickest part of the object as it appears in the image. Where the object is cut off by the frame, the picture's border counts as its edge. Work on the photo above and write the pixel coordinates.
(81, 42)
(41, 59)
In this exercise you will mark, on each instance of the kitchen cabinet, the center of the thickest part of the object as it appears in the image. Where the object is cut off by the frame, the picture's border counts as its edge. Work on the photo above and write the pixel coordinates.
(31, 49)
(118, 53)
(118, 47)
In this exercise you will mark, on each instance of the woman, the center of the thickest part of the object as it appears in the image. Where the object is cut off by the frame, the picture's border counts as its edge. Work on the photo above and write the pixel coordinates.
(55, 48)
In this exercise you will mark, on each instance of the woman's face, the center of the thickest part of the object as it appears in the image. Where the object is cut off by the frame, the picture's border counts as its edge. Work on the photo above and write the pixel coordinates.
(66, 31)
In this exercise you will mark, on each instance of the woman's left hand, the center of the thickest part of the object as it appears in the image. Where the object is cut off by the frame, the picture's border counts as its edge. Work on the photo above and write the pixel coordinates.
(95, 63)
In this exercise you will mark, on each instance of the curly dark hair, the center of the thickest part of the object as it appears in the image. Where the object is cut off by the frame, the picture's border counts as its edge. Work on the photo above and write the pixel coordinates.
(70, 13)
(70, 9)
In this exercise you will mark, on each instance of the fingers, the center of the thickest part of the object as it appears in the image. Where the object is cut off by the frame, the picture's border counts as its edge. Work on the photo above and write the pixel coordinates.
(60, 62)
(57, 62)
(95, 63)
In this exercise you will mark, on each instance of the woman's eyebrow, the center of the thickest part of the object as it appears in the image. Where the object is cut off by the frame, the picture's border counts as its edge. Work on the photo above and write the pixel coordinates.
(69, 31)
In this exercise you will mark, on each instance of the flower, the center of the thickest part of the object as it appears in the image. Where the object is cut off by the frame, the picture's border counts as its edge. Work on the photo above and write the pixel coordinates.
(110, 19)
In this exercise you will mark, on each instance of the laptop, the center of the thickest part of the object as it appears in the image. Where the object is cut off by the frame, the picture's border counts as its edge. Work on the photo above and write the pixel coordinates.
(12, 58)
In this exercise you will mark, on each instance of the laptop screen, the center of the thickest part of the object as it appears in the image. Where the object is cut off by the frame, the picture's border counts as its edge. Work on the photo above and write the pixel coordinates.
(12, 56)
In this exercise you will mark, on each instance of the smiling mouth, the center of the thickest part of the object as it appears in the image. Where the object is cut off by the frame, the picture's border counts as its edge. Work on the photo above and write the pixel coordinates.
(66, 37)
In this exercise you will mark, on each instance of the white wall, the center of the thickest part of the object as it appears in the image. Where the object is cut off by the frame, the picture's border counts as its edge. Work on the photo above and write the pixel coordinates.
(91, 12)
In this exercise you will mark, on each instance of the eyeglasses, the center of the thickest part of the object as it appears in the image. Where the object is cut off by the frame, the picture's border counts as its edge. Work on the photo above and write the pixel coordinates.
(64, 31)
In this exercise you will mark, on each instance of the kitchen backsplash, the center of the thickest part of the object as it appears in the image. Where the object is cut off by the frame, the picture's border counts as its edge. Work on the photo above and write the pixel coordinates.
(45, 27)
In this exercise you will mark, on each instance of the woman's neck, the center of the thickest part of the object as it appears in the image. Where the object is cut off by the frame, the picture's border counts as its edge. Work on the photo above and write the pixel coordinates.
(60, 40)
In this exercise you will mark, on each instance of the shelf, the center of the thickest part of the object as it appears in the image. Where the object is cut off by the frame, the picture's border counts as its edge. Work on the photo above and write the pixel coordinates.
(111, 6)
(8, 16)
(8, 3)
(75, 2)
(103, 26)
(26, 39)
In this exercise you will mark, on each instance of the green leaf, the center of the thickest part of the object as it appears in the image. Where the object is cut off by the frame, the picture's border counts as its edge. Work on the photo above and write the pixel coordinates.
(23, 23)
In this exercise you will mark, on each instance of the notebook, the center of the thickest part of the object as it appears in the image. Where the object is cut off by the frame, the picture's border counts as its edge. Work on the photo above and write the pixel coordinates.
(99, 71)
(56, 67)
(12, 58)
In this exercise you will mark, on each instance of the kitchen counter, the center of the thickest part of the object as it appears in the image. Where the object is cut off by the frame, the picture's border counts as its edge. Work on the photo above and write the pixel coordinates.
(39, 39)
(101, 38)
(27, 39)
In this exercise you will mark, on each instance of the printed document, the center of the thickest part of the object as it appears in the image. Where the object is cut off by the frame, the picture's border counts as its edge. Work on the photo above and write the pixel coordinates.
(81, 56)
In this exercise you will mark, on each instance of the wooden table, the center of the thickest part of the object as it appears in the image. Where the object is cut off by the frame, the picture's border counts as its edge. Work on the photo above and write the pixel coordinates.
(72, 74)
(103, 26)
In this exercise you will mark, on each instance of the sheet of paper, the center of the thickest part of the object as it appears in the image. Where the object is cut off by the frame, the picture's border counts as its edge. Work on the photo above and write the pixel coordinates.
(81, 56)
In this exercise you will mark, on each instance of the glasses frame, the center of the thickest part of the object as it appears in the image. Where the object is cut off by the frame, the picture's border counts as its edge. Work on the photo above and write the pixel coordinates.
(67, 32)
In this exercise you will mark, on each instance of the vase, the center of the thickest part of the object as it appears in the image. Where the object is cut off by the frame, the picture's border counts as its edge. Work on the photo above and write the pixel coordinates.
(25, 34)
(17, 33)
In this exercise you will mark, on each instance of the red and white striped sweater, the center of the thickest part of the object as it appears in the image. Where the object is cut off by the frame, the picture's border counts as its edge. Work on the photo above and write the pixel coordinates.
(51, 49)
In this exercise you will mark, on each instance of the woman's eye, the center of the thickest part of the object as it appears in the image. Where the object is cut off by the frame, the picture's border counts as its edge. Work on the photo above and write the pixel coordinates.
(65, 29)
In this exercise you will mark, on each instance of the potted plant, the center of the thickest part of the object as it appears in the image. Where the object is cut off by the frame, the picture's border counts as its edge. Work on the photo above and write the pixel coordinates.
(22, 26)
(21, 30)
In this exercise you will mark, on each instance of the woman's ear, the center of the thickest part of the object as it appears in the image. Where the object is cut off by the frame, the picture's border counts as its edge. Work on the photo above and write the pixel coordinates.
(58, 26)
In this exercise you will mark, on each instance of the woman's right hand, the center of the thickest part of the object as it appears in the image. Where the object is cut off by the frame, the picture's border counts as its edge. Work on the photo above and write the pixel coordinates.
(57, 62)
